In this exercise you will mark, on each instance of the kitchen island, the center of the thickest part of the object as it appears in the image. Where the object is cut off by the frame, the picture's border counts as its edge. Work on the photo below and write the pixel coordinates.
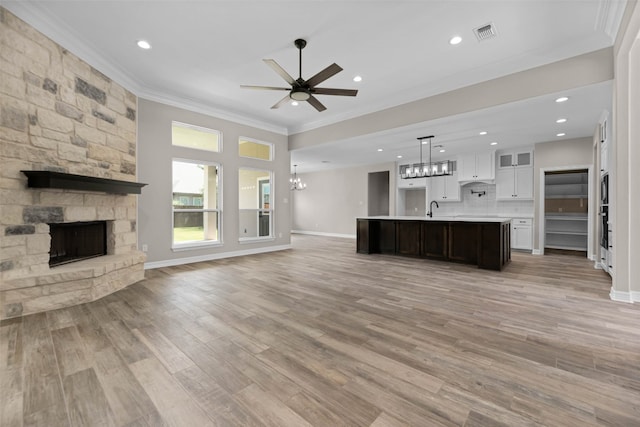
(485, 242)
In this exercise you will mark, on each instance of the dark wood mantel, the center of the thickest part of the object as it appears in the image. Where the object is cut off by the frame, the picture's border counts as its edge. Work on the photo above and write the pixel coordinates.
(486, 244)
(67, 181)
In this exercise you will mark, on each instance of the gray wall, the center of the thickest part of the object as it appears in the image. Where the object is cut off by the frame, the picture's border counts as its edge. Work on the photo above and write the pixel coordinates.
(415, 202)
(155, 154)
(334, 199)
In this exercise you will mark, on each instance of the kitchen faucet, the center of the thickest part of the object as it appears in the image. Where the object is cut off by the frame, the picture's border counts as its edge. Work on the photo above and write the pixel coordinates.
(430, 213)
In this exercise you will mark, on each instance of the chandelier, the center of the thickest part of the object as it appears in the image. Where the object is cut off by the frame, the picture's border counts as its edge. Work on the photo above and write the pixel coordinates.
(296, 183)
(426, 170)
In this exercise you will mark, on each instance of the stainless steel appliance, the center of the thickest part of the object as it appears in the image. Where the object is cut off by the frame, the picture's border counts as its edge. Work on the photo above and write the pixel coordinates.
(604, 189)
(604, 227)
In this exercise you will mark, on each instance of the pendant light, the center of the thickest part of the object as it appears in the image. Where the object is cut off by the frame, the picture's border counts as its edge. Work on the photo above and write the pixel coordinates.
(426, 170)
(296, 183)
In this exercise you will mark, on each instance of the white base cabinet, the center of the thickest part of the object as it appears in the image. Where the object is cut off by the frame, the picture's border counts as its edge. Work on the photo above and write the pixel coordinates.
(521, 234)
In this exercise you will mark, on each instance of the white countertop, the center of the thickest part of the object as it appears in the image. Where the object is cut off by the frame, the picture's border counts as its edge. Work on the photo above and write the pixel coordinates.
(441, 218)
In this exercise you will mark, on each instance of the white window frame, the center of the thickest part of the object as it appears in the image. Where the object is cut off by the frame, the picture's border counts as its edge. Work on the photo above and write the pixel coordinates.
(271, 145)
(270, 211)
(204, 243)
(201, 129)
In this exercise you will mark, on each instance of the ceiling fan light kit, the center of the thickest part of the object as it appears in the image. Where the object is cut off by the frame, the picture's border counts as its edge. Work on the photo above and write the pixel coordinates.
(301, 89)
(426, 170)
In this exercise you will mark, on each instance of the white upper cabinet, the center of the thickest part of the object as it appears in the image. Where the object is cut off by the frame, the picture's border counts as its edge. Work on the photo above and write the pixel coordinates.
(516, 159)
(444, 188)
(477, 167)
(604, 144)
(514, 178)
(514, 184)
(412, 182)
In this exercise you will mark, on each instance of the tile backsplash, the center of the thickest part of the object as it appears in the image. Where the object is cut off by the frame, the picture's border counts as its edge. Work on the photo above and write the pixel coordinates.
(473, 204)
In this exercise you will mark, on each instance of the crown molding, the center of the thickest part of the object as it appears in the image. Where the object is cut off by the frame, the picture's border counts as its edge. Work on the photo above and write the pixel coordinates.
(609, 17)
(198, 107)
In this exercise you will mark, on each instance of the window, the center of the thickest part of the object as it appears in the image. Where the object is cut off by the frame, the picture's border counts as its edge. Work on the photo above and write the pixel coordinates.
(197, 137)
(196, 203)
(255, 149)
(256, 204)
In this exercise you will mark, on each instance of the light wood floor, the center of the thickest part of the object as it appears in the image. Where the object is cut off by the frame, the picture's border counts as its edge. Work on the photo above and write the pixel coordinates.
(322, 336)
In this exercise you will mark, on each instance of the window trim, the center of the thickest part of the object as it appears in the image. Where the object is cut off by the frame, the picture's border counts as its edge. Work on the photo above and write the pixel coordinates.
(271, 145)
(199, 243)
(201, 129)
(271, 210)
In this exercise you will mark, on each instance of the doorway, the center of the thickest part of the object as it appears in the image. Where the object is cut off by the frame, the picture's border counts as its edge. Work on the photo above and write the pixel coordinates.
(378, 192)
(566, 211)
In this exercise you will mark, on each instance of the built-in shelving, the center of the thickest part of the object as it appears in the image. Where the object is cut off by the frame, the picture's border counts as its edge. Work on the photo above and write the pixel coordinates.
(573, 185)
(566, 202)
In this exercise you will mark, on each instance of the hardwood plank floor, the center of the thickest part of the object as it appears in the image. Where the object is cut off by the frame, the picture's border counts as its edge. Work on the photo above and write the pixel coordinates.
(322, 336)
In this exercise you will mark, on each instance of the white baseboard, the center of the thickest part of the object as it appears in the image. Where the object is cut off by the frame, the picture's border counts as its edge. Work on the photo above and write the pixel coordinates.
(537, 252)
(319, 233)
(212, 257)
(629, 297)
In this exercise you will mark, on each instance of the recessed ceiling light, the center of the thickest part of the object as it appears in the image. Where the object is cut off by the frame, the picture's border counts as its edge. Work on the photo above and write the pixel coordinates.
(442, 150)
(294, 103)
(562, 99)
(561, 120)
(455, 40)
(143, 44)
(484, 132)
(357, 79)
(494, 143)
(380, 149)
(399, 156)
(561, 134)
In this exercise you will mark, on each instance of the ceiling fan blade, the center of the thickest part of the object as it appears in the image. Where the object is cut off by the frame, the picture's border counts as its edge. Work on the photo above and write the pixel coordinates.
(281, 102)
(316, 104)
(327, 91)
(264, 87)
(323, 75)
(278, 69)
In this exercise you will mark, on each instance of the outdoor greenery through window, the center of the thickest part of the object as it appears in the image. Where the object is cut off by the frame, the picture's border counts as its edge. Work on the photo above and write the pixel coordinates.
(191, 136)
(256, 203)
(196, 203)
(255, 149)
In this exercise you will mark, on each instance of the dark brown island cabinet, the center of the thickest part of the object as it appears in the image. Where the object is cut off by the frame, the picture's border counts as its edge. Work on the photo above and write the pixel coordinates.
(483, 242)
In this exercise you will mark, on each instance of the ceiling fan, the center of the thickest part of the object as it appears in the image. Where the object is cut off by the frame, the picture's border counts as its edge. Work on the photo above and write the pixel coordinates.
(301, 89)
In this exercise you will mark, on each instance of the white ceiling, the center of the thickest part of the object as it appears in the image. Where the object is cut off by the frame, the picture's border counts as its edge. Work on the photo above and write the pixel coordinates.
(202, 51)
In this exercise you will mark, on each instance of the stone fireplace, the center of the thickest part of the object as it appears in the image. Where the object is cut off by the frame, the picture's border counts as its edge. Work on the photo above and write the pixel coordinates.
(59, 114)
(32, 285)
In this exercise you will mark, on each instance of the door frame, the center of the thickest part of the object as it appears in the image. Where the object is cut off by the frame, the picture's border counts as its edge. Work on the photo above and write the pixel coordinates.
(591, 207)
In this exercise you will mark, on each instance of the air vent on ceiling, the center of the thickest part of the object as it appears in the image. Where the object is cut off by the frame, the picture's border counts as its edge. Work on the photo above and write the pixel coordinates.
(485, 32)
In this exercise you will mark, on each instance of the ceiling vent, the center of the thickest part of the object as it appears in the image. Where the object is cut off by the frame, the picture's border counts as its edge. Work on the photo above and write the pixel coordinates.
(485, 32)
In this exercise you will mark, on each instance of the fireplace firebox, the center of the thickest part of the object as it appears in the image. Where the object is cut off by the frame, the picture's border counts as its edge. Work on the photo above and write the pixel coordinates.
(75, 241)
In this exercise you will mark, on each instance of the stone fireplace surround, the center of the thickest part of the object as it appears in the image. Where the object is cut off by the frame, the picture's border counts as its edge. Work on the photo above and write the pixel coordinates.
(33, 287)
(59, 114)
